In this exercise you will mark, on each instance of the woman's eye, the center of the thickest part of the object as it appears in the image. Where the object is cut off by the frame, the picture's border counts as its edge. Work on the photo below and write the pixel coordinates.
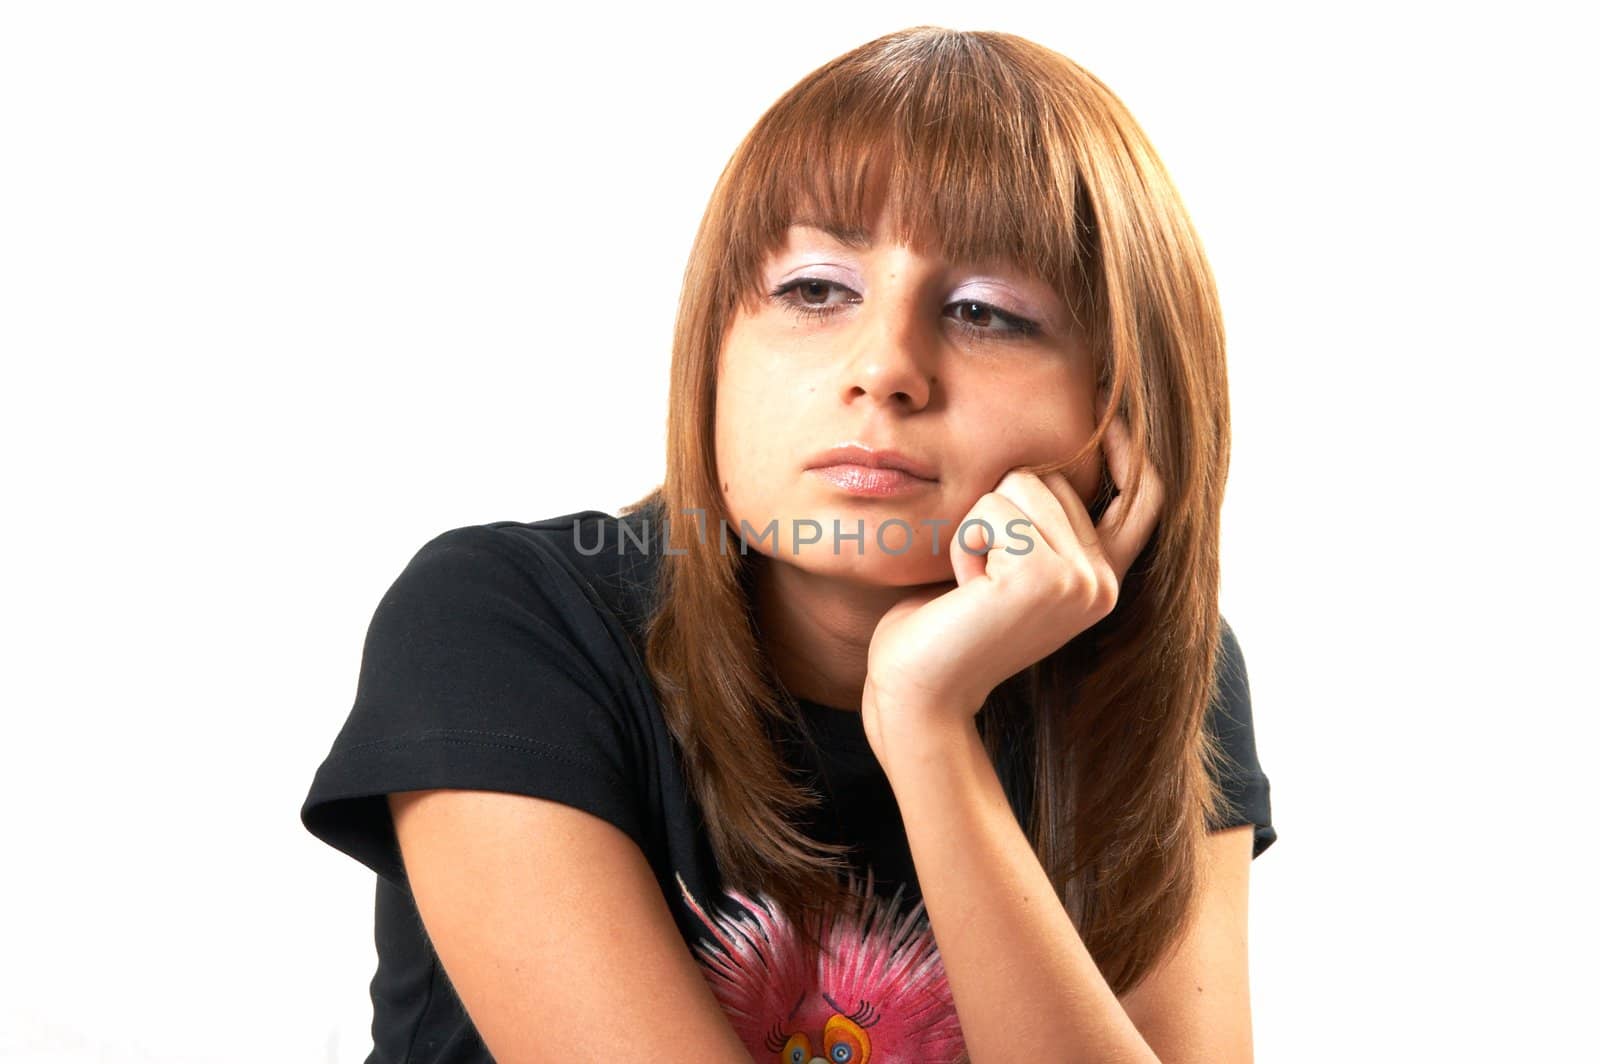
(806, 291)
(807, 297)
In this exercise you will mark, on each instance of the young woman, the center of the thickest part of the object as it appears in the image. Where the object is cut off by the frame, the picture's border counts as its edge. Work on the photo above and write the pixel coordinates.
(900, 722)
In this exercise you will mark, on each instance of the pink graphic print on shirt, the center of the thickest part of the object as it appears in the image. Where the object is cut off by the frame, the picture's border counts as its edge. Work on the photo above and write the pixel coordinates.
(876, 995)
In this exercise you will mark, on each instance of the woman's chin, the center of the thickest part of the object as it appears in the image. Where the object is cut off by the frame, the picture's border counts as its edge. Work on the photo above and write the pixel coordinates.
(872, 567)
(874, 545)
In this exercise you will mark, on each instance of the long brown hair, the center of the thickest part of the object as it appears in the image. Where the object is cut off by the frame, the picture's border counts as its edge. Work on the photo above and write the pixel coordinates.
(984, 145)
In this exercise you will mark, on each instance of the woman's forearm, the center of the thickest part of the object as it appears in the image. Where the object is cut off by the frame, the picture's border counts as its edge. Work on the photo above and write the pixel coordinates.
(1024, 984)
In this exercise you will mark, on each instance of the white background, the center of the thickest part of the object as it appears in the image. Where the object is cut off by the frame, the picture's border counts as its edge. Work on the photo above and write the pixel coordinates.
(287, 289)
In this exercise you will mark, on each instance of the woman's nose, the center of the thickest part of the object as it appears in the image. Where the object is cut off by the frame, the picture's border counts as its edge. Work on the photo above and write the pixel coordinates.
(894, 352)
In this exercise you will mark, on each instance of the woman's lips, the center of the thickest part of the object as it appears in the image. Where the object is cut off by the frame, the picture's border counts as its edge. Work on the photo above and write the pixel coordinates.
(870, 480)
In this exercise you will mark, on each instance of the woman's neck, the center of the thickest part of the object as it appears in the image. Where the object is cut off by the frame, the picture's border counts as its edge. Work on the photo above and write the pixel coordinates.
(816, 629)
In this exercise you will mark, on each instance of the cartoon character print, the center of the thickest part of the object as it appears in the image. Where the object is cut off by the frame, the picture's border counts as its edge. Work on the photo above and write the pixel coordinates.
(876, 995)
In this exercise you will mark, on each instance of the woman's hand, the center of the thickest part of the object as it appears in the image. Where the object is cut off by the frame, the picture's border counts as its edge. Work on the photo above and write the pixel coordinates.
(937, 654)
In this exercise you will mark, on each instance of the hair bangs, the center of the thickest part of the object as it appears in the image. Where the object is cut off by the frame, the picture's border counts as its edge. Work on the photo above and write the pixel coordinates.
(953, 155)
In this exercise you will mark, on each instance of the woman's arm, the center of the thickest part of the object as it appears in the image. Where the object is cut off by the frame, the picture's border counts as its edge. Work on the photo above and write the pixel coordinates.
(1024, 984)
(1196, 1004)
(553, 931)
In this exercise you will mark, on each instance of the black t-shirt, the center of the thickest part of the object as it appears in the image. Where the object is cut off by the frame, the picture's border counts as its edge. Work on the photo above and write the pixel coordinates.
(509, 657)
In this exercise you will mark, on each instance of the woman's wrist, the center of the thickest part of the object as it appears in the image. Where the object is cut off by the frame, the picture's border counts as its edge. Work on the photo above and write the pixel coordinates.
(909, 743)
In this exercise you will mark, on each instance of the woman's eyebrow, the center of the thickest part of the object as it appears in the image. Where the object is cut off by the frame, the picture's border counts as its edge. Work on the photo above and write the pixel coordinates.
(860, 239)
(852, 236)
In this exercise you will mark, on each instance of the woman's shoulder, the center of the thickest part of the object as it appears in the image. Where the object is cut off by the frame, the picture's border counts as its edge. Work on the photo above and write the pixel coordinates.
(584, 559)
(498, 660)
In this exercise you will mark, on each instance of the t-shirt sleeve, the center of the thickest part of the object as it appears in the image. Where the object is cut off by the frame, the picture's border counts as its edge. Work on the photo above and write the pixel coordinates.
(482, 669)
(1229, 716)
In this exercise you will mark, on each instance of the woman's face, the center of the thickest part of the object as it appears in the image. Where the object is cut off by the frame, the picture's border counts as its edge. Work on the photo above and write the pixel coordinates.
(966, 369)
